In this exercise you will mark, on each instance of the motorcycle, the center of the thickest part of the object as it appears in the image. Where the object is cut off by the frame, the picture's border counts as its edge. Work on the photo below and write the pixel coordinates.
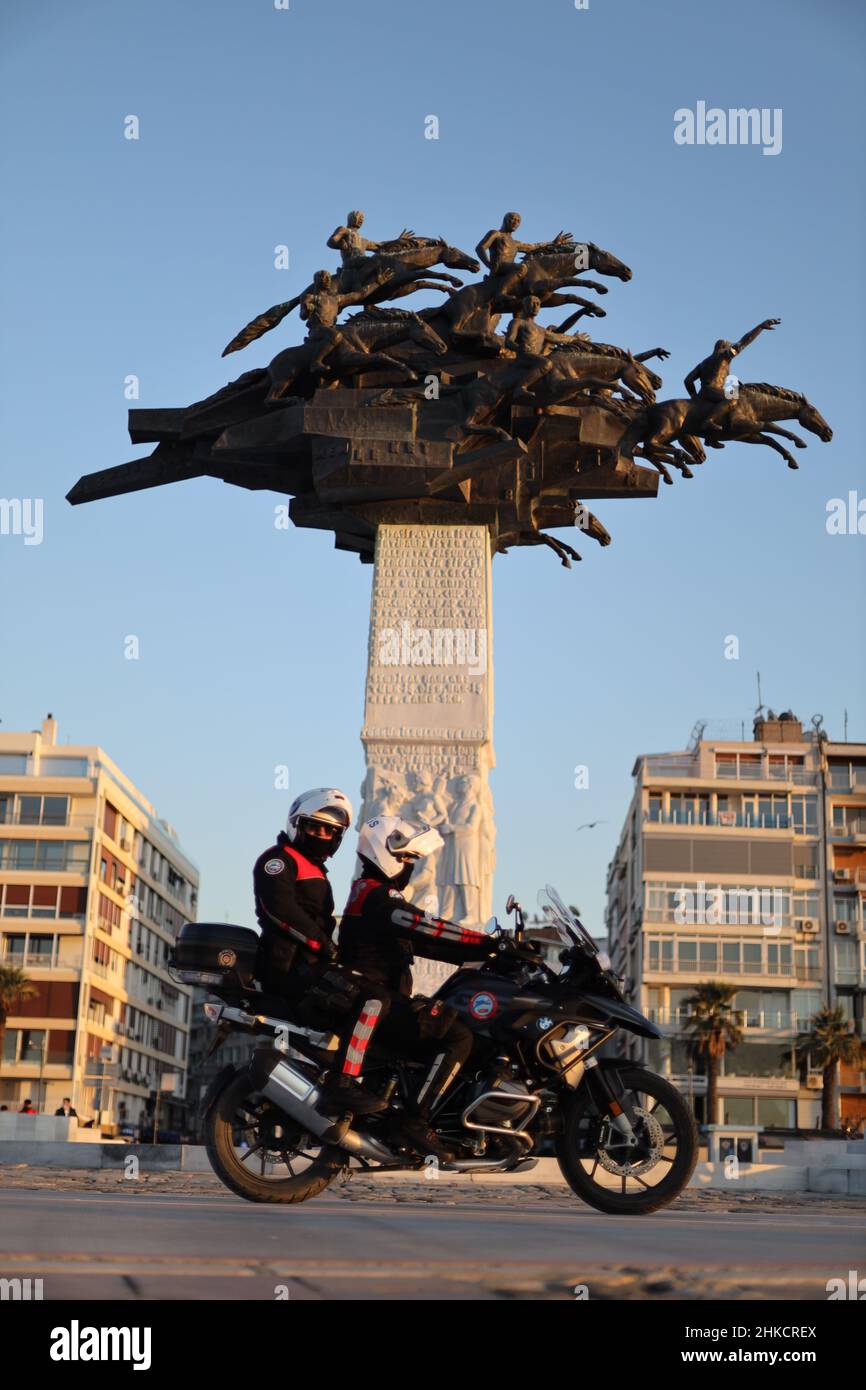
(540, 1012)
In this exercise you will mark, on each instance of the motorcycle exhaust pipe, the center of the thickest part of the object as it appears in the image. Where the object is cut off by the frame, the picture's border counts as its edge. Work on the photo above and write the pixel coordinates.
(297, 1096)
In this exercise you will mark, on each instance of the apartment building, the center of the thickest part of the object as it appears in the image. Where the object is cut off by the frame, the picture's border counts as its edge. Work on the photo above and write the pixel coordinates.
(93, 889)
(745, 862)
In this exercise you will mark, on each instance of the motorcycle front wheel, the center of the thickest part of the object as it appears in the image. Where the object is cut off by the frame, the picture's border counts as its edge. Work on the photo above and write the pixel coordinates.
(615, 1178)
(260, 1153)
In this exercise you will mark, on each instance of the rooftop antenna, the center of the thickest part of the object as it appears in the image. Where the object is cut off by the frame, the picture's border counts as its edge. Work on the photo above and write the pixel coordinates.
(760, 709)
(845, 723)
(817, 722)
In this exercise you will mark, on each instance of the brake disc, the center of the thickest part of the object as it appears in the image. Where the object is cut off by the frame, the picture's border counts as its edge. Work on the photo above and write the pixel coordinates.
(626, 1169)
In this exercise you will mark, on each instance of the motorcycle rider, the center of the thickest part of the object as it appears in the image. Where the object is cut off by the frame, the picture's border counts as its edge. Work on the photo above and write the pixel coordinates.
(294, 901)
(378, 931)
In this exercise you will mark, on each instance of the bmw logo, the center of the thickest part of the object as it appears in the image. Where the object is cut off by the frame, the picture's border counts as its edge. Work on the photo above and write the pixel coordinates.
(544, 1024)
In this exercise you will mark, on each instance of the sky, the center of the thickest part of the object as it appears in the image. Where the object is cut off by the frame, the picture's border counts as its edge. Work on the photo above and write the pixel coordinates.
(261, 127)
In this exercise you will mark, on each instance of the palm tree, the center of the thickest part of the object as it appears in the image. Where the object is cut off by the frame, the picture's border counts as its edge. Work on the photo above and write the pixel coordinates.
(713, 1031)
(826, 1043)
(14, 986)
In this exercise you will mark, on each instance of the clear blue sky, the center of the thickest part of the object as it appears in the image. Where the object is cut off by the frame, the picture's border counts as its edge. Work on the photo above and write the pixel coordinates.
(261, 127)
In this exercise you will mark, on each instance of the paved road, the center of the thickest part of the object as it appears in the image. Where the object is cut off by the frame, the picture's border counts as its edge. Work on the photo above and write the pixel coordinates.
(192, 1241)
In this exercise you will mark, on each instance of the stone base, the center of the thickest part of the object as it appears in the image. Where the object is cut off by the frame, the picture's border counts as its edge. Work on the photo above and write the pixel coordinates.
(428, 717)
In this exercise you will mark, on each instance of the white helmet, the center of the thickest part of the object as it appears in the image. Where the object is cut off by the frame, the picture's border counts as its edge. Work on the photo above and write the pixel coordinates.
(328, 806)
(384, 837)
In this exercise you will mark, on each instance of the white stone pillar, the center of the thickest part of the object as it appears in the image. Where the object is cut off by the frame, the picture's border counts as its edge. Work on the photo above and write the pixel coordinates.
(428, 713)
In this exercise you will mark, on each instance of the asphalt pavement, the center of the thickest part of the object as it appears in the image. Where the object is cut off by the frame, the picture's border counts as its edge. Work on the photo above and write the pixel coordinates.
(186, 1238)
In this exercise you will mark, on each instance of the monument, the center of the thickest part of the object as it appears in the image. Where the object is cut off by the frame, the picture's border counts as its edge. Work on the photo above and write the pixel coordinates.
(428, 442)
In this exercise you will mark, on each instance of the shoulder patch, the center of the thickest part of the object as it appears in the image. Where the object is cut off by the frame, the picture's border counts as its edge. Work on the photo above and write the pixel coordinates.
(394, 893)
(275, 866)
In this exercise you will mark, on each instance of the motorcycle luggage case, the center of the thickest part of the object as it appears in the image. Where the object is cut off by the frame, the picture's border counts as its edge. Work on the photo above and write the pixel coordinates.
(216, 954)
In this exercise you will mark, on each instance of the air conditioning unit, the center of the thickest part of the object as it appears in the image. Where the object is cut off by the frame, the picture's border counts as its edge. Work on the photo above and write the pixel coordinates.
(842, 875)
(806, 924)
(814, 1083)
(842, 928)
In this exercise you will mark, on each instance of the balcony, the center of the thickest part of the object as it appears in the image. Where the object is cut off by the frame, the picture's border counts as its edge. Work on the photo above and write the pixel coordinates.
(38, 960)
(780, 1021)
(727, 820)
(853, 830)
(75, 820)
(849, 878)
(743, 767)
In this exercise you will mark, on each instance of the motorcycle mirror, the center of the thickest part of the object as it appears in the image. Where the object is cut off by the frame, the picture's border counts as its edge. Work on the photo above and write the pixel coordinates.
(510, 903)
(491, 927)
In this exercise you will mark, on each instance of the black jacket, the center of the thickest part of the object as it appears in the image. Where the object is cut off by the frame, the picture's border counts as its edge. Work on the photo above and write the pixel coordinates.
(294, 905)
(380, 932)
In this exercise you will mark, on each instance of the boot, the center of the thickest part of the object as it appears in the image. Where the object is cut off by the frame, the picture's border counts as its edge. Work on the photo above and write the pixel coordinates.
(346, 1096)
(417, 1130)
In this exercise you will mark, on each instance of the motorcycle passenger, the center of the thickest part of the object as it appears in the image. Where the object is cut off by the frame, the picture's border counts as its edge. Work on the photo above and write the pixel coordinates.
(378, 932)
(294, 901)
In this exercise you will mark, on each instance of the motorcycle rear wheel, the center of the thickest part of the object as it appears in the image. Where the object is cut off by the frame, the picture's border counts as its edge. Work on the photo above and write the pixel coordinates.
(243, 1131)
(618, 1189)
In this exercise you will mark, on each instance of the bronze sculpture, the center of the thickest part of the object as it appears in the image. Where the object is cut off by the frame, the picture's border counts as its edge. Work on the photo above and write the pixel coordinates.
(437, 415)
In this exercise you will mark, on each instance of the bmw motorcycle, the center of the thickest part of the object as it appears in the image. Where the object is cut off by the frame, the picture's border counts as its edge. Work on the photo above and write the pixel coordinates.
(540, 1011)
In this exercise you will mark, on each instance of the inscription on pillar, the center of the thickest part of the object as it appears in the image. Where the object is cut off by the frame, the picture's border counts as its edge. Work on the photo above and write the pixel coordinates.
(428, 716)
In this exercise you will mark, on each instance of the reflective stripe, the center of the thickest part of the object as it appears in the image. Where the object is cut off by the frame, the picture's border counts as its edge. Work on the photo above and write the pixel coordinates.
(430, 1075)
(364, 1030)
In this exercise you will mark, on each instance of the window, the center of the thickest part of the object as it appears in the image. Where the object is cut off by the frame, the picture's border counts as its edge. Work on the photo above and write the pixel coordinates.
(687, 955)
(804, 814)
(805, 1003)
(63, 767)
(708, 955)
(776, 1112)
(847, 961)
(757, 1059)
(739, 1110)
(779, 957)
(661, 953)
(805, 905)
(63, 855)
(23, 1045)
(845, 908)
(806, 961)
(13, 764)
(731, 957)
(752, 957)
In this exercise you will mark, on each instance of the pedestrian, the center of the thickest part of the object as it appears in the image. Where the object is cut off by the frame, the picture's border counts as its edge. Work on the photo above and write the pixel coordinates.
(27, 1108)
(67, 1109)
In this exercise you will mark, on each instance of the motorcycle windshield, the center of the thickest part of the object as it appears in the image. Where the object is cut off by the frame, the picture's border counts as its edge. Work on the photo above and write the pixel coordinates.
(557, 915)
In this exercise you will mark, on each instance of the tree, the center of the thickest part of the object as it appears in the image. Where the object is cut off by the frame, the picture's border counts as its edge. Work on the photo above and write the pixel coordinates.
(825, 1044)
(713, 1031)
(14, 986)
